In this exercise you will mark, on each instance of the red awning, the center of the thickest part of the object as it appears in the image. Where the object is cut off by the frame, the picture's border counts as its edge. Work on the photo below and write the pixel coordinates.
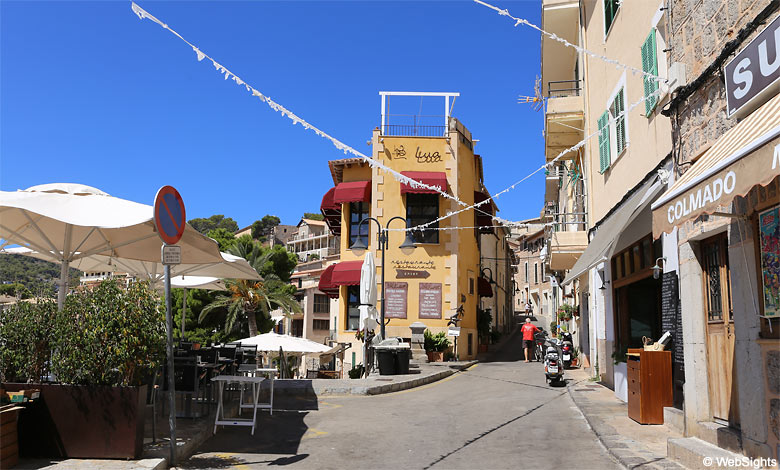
(346, 273)
(327, 202)
(484, 220)
(326, 285)
(331, 211)
(354, 191)
(431, 178)
(483, 287)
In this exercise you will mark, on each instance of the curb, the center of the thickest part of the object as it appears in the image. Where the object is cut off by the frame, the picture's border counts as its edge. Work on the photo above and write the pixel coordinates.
(588, 420)
(397, 387)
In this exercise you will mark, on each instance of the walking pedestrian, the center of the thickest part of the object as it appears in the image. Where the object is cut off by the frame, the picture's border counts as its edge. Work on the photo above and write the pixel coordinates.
(528, 330)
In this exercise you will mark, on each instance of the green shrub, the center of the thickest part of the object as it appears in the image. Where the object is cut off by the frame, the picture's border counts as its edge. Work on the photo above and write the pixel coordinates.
(25, 332)
(109, 335)
(356, 372)
(437, 342)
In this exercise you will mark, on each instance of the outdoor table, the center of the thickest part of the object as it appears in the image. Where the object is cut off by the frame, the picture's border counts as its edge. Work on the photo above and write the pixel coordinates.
(252, 370)
(221, 380)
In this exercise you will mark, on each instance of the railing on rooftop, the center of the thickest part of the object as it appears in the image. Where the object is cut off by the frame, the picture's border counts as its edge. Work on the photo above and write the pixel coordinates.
(414, 125)
(564, 88)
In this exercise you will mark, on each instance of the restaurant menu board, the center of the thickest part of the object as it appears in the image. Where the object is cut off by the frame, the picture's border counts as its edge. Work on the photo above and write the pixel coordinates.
(430, 300)
(769, 226)
(395, 299)
(671, 318)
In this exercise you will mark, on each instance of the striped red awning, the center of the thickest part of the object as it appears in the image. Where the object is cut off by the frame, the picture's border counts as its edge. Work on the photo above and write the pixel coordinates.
(353, 191)
(431, 178)
(346, 273)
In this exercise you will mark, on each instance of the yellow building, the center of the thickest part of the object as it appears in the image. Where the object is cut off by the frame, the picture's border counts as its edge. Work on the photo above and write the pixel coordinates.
(441, 275)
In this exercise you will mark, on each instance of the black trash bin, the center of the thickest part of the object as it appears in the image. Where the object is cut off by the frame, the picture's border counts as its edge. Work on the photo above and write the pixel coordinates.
(386, 359)
(403, 356)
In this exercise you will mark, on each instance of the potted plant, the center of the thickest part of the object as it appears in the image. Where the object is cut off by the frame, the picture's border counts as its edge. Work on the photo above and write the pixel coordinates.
(104, 345)
(575, 356)
(553, 328)
(566, 312)
(435, 345)
(356, 372)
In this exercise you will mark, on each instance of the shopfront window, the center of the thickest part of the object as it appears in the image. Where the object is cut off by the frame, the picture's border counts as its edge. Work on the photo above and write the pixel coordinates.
(422, 209)
(353, 312)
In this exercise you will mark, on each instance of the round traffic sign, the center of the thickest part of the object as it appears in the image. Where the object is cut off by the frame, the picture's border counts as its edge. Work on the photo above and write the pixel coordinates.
(169, 216)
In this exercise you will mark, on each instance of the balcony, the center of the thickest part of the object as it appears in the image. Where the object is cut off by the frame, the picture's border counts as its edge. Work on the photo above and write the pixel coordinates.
(564, 119)
(412, 125)
(566, 248)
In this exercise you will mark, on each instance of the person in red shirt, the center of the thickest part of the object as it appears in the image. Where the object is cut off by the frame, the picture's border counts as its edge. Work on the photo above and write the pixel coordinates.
(528, 330)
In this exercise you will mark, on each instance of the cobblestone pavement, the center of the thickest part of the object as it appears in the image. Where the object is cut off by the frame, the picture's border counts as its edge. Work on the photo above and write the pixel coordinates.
(634, 445)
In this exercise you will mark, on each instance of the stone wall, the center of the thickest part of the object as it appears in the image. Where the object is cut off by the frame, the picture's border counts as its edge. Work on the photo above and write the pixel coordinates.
(700, 29)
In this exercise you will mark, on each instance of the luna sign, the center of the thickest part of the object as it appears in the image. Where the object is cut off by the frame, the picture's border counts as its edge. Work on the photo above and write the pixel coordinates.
(754, 69)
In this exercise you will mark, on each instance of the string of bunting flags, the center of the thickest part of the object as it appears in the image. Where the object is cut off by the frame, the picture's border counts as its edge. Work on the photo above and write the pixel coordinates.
(143, 14)
(619, 65)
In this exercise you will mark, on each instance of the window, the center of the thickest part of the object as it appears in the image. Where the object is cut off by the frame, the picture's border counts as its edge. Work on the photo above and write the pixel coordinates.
(619, 128)
(604, 157)
(536, 273)
(357, 212)
(526, 271)
(471, 285)
(650, 65)
(610, 11)
(612, 131)
(353, 313)
(421, 209)
(321, 303)
(321, 324)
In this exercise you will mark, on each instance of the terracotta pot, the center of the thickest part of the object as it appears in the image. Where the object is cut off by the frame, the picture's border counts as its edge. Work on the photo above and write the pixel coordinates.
(435, 356)
(195, 346)
(80, 421)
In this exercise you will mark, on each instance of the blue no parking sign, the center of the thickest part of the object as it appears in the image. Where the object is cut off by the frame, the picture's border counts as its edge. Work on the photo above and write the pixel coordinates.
(169, 215)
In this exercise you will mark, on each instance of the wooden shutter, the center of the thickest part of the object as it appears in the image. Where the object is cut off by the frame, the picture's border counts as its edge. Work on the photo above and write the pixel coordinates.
(603, 124)
(650, 65)
(620, 122)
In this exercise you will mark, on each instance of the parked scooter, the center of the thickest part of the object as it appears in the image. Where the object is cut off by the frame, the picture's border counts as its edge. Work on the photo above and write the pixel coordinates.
(567, 349)
(553, 366)
(539, 339)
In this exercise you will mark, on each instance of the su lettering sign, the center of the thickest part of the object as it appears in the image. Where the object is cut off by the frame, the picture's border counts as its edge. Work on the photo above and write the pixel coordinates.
(754, 69)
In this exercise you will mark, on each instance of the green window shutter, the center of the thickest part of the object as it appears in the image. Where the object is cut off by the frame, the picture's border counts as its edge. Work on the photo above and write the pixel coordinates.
(603, 124)
(620, 123)
(650, 65)
(610, 10)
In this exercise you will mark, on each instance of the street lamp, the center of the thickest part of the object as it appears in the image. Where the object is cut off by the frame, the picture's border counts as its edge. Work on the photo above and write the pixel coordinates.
(359, 247)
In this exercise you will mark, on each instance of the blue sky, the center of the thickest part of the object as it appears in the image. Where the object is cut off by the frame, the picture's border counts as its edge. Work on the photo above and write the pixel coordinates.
(91, 94)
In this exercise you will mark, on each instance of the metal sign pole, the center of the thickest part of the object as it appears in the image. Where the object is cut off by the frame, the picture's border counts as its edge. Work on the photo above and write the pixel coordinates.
(171, 379)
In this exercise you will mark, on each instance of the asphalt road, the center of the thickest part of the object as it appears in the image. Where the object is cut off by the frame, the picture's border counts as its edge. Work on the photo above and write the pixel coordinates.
(496, 415)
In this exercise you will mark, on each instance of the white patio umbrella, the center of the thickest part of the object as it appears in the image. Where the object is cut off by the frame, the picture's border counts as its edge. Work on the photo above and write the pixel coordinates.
(73, 221)
(367, 308)
(368, 312)
(271, 342)
(230, 267)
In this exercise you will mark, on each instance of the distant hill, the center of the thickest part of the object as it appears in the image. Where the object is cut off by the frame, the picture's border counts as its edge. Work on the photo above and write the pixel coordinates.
(39, 276)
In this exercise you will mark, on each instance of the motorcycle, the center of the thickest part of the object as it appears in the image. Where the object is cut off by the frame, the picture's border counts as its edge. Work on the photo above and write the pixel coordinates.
(539, 339)
(553, 366)
(567, 349)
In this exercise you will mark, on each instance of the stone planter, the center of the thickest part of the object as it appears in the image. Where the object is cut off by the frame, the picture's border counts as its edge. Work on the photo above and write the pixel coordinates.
(435, 356)
(80, 421)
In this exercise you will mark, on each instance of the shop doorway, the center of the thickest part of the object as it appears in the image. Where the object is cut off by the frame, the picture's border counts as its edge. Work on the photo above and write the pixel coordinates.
(720, 329)
(639, 312)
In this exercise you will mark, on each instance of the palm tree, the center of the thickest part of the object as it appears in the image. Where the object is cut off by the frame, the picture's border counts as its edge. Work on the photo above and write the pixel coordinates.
(250, 298)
